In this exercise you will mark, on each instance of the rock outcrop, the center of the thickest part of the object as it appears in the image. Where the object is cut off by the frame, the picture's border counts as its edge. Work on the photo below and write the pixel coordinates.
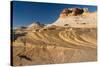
(76, 17)
(77, 11)
(72, 12)
(72, 38)
(35, 26)
(65, 12)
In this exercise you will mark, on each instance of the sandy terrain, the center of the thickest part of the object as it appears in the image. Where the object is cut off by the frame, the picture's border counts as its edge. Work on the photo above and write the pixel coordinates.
(72, 38)
(62, 45)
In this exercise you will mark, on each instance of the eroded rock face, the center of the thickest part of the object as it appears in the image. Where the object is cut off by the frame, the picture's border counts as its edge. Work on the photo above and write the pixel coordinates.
(72, 12)
(77, 11)
(65, 12)
(77, 17)
(35, 26)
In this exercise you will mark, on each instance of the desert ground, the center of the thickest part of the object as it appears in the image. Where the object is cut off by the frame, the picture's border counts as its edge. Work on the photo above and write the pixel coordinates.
(56, 44)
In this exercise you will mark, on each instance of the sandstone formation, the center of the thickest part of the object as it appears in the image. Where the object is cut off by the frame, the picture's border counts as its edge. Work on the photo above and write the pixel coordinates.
(65, 13)
(72, 38)
(76, 17)
(63, 45)
(73, 12)
(77, 11)
(35, 26)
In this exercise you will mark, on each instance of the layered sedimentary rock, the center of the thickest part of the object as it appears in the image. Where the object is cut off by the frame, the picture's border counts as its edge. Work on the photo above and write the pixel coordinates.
(72, 38)
(76, 17)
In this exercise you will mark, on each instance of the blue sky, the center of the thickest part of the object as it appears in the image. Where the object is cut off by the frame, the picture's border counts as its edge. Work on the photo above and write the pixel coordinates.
(24, 13)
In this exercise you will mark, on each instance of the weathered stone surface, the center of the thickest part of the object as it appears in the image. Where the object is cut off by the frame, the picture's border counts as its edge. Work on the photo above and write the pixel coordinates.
(72, 12)
(77, 11)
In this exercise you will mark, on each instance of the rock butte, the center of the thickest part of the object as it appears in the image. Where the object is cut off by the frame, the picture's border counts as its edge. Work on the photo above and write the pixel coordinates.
(76, 17)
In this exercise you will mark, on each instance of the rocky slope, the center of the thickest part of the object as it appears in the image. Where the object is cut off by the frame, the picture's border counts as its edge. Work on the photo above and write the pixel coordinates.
(35, 26)
(77, 17)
